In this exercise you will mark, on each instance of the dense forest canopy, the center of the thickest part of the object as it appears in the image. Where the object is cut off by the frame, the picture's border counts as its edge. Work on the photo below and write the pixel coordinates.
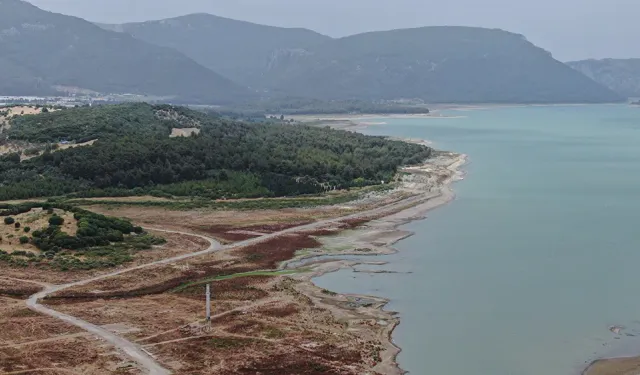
(134, 153)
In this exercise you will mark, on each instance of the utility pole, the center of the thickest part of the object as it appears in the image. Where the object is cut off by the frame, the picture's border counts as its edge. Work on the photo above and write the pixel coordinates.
(208, 307)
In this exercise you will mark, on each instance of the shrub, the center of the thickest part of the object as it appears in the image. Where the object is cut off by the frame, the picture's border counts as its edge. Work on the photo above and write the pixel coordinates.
(50, 211)
(24, 240)
(56, 220)
(138, 230)
(9, 220)
(17, 225)
(27, 229)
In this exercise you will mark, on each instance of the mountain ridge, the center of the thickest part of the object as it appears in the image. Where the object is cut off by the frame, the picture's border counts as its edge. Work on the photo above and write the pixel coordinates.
(438, 64)
(620, 75)
(43, 49)
(246, 45)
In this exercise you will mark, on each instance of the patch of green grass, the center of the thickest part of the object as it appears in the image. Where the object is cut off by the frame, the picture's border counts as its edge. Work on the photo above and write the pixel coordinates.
(252, 204)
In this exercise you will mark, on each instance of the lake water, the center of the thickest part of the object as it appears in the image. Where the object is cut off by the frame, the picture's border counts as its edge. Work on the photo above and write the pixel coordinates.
(524, 273)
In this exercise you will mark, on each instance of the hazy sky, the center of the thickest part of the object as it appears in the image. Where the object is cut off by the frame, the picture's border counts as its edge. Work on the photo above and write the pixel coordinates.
(570, 29)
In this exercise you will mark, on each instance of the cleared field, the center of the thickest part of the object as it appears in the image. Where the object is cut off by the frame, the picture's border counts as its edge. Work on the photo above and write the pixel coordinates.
(255, 319)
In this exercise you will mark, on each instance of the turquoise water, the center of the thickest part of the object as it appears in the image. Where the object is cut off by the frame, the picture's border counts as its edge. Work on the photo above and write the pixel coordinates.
(537, 257)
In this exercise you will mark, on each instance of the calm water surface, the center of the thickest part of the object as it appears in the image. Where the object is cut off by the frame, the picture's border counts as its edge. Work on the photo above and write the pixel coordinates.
(524, 273)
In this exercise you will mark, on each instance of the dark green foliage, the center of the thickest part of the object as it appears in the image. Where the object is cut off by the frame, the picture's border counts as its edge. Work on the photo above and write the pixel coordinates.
(9, 220)
(27, 229)
(135, 156)
(24, 239)
(50, 49)
(89, 123)
(56, 220)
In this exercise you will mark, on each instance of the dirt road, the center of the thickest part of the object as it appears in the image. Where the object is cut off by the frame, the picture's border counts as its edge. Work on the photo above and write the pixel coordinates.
(135, 351)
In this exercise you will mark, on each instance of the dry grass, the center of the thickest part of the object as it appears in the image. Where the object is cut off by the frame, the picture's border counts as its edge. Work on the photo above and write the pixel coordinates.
(16, 288)
(19, 324)
(255, 319)
(81, 355)
(35, 219)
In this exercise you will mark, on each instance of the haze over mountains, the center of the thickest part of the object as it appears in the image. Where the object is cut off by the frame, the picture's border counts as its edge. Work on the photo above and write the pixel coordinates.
(208, 59)
(236, 49)
(620, 75)
(42, 50)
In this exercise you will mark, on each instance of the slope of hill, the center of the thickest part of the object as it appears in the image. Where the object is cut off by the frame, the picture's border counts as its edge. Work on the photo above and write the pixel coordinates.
(436, 64)
(236, 49)
(42, 49)
(133, 153)
(620, 75)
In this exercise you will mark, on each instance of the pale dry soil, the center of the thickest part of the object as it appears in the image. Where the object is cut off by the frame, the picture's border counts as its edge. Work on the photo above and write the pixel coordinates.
(183, 132)
(614, 366)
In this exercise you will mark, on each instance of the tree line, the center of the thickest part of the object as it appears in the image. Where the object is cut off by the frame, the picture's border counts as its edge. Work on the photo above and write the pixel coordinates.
(227, 159)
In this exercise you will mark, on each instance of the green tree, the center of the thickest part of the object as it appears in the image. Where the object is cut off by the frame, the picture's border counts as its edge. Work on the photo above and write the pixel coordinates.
(56, 220)
(9, 220)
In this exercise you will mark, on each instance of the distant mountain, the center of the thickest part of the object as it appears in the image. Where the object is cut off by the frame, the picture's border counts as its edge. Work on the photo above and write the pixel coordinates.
(41, 50)
(620, 75)
(236, 49)
(436, 64)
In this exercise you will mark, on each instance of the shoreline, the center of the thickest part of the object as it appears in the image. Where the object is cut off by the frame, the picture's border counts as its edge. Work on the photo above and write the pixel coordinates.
(380, 234)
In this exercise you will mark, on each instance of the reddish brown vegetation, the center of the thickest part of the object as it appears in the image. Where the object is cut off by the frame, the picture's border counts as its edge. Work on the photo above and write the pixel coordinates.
(269, 254)
(355, 222)
(232, 233)
(19, 291)
(280, 311)
(78, 353)
(298, 362)
(239, 289)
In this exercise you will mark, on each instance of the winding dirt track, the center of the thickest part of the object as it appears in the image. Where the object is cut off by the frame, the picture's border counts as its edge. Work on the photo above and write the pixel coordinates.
(135, 351)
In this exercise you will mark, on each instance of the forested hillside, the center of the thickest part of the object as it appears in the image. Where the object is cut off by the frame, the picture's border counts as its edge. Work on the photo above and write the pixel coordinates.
(42, 51)
(620, 75)
(134, 153)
